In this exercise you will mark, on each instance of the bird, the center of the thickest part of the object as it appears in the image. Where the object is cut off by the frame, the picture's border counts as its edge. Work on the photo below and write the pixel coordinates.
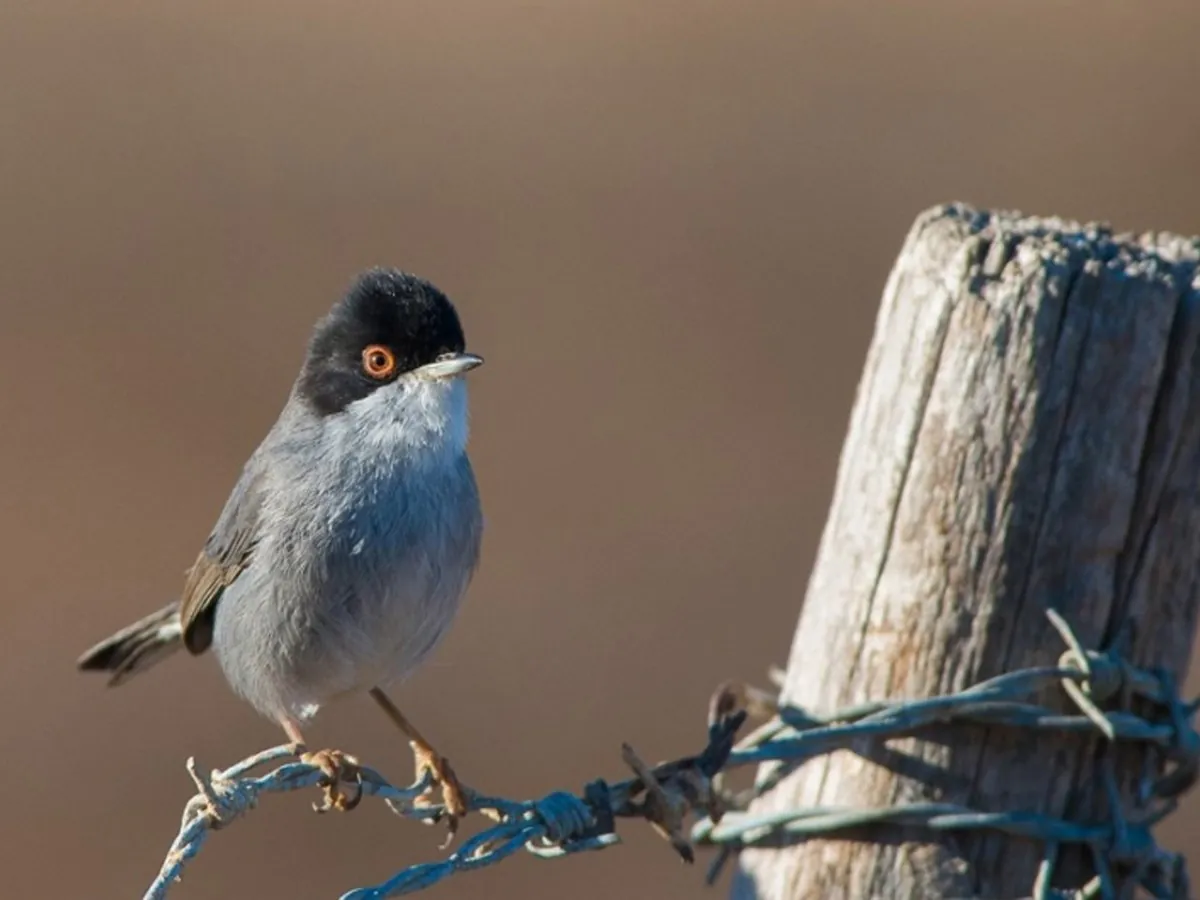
(343, 552)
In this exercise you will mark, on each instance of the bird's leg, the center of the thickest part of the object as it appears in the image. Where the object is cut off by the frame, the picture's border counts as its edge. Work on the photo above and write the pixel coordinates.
(336, 766)
(428, 760)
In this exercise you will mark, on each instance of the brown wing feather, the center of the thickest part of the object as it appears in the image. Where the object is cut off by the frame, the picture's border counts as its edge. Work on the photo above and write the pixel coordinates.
(206, 581)
(225, 555)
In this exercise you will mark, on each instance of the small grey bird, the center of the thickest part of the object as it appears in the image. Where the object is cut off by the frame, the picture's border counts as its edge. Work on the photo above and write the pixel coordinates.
(340, 558)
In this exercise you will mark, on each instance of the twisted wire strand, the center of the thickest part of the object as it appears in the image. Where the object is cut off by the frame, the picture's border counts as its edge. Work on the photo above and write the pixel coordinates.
(671, 794)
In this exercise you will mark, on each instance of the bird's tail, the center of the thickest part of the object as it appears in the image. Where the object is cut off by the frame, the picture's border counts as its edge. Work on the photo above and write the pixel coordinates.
(136, 647)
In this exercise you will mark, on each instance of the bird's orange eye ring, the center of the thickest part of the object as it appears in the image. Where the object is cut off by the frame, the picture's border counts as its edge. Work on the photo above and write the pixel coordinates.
(378, 362)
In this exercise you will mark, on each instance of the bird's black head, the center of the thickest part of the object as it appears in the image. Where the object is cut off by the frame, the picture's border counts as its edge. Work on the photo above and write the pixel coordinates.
(389, 323)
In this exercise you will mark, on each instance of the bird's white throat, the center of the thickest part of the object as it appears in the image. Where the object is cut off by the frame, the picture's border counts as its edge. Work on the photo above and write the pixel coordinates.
(426, 420)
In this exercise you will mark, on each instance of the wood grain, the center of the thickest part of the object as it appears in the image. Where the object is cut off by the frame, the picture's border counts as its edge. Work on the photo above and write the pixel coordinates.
(1026, 434)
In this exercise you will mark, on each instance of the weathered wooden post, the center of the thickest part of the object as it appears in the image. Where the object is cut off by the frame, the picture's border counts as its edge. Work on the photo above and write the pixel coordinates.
(1026, 435)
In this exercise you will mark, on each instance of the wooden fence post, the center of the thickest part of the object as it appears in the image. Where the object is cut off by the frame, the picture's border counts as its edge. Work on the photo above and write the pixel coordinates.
(1026, 435)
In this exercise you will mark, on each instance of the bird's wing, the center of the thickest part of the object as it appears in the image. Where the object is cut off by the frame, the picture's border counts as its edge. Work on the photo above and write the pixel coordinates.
(225, 555)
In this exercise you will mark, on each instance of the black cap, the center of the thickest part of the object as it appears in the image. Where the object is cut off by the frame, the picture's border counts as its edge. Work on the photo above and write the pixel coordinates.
(406, 316)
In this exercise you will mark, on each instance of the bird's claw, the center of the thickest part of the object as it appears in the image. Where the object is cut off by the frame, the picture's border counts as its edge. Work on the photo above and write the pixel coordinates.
(454, 799)
(337, 767)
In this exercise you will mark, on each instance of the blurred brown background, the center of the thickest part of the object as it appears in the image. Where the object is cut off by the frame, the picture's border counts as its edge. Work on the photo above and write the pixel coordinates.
(666, 226)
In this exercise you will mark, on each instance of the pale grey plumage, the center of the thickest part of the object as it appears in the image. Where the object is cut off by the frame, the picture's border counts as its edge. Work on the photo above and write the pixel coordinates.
(341, 555)
(368, 530)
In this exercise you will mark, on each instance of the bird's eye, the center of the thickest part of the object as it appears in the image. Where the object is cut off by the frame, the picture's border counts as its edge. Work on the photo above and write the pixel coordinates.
(379, 362)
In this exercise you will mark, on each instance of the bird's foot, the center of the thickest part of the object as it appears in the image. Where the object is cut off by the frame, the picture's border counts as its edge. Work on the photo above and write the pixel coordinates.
(454, 799)
(337, 767)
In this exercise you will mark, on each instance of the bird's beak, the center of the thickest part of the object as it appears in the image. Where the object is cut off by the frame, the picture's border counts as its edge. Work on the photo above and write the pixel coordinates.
(451, 365)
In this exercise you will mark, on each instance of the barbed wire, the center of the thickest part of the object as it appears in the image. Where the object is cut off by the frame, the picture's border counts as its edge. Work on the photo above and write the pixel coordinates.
(556, 825)
(1123, 850)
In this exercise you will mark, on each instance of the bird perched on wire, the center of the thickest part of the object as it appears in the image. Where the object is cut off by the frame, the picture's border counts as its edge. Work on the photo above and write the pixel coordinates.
(341, 556)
